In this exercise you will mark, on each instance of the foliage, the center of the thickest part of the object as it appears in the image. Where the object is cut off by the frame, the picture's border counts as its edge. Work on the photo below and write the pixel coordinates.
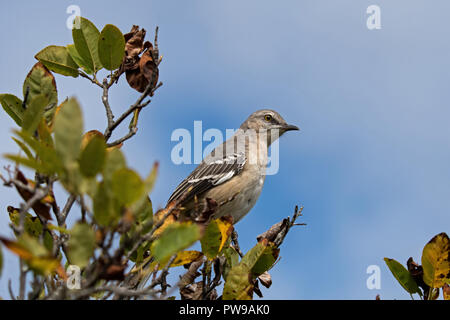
(434, 273)
(107, 200)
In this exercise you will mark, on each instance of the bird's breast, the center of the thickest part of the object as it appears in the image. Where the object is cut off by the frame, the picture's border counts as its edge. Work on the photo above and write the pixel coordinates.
(246, 190)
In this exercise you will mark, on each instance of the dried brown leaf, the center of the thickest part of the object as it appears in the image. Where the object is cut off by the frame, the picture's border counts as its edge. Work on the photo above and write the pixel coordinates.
(265, 279)
(140, 70)
(273, 232)
(39, 207)
(416, 272)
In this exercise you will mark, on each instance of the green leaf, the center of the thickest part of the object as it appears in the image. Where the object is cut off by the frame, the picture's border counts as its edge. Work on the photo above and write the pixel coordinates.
(34, 113)
(45, 135)
(114, 161)
(78, 59)
(436, 261)
(232, 260)
(33, 226)
(111, 47)
(58, 59)
(93, 156)
(237, 285)
(144, 213)
(24, 148)
(30, 163)
(260, 258)
(177, 237)
(403, 276)
(85, 39)
(127, 186)
(216, 234)
(36, 255)
(81, 244)
(106, 210)
(13, 107)
(255, 262)
(48, 161)
(149, 182)
(266, 261)
(68, 129)
(41, 81)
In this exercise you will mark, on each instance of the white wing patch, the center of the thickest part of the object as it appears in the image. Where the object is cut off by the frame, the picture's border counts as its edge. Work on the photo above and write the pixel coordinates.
(210, 174)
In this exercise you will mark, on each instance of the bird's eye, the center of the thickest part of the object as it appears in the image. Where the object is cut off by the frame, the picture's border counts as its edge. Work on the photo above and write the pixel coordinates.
(268, 117)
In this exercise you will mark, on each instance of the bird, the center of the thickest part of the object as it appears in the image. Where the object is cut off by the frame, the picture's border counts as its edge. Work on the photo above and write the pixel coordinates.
(233, 174)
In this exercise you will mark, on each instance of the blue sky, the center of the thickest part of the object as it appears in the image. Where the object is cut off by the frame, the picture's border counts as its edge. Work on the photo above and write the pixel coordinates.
(371, 163)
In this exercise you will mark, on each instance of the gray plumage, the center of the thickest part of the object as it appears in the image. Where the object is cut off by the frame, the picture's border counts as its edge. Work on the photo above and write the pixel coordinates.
(233, 174)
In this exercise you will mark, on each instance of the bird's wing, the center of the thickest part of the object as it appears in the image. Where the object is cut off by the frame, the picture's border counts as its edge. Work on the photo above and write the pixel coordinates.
(208, 175)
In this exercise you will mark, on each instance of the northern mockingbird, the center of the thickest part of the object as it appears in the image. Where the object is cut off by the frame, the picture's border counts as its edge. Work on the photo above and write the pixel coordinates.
(233, 174)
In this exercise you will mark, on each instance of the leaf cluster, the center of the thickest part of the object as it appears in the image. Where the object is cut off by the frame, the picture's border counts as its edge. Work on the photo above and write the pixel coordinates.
(433, 276)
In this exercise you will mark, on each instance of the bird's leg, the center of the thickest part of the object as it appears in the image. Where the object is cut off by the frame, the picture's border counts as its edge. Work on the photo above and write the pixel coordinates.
(234, 240)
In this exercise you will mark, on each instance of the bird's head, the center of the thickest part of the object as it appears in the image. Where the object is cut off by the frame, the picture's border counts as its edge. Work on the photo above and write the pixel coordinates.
(268, 120)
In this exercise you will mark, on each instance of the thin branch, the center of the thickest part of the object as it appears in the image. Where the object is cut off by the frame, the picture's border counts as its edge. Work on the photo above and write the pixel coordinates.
(10, 290)
(282, 235)
(105, 100)
(120, 291)
(22, 280)
(234, 239)
(93, 80)
(130, 134)
(64, 213)
(139, 104)
(277, 233)
(162, 278)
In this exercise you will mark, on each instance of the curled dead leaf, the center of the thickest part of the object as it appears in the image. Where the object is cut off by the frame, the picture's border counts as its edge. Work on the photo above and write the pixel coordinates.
(139, 64)
(273, 232)
(265, 279)
(40, 207)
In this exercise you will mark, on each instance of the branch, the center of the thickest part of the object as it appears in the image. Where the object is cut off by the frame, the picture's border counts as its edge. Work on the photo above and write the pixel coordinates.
(278, 232)
(93, 79)
(105, 100)
(120, 291)
(130, 134)
(64, 213)
(139, 104)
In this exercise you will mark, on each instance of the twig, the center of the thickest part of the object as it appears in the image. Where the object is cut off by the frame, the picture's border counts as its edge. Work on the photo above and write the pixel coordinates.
(139, 104)
(11, 293)
(93, 80)
(22, 281)
(234, 239)
(120, 291)
(66, 210)
(105, 100)
(162, 278)
(37, 286)
(290, 223)
(129, 135)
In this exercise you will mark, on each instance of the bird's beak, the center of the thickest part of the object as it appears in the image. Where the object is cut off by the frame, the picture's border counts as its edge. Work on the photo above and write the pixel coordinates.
(290, 127)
